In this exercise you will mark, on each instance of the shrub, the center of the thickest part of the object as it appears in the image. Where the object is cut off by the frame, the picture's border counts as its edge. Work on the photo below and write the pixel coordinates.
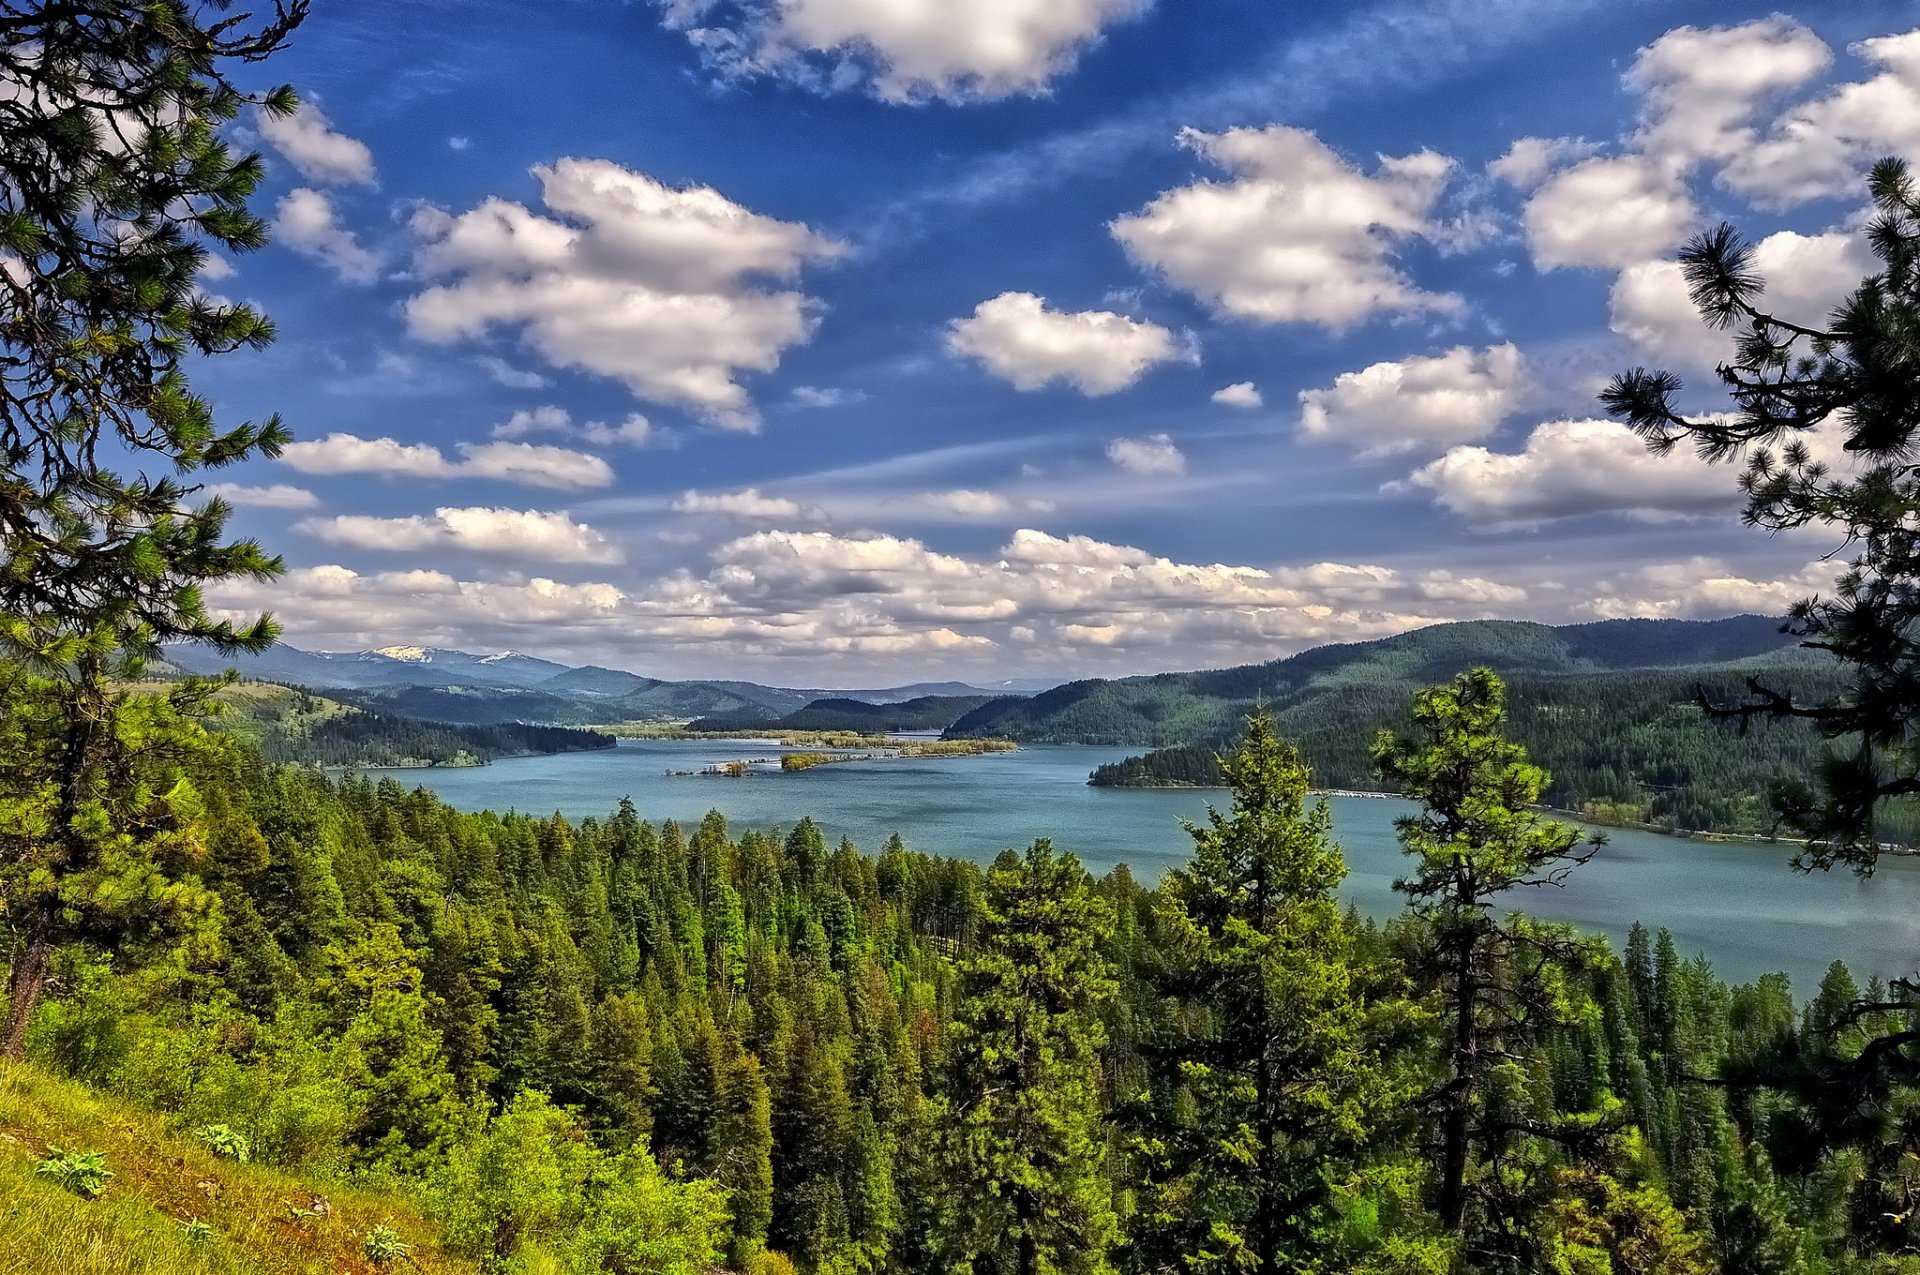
(383, 1245)
(84, 1173)
(228, 1144)
(199, 1231)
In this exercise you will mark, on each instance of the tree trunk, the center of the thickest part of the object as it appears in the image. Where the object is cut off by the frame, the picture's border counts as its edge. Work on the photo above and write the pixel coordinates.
(28, 978)
(1452, 1204)
(24, 985)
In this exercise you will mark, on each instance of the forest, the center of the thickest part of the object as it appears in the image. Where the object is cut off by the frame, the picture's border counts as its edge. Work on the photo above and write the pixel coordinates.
(1619, 747)
(263, 1019)
(888, 1061)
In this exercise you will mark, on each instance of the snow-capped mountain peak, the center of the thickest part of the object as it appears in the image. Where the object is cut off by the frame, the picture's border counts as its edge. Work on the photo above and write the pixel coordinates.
(410, 654)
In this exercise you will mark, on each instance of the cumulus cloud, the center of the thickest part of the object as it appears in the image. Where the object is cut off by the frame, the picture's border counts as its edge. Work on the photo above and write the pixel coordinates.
(749, 503)
(533, 465)
(1454, 397)
(500, 533)
(1806, 276)
(305, 220)
(1531, 158)
(1699, 588)
(1154, 454)
(1571, 468)
(656, 286)
(332, 605)
(309, 142)
(1018, 338)
(272, 496)
(1820, 148)
(1297, 235)
(1702, 86)
(1241, 394)
(1610, 212)
(902, 50)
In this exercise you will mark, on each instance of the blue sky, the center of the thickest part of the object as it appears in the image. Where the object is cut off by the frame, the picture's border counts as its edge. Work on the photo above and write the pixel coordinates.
(822, 341)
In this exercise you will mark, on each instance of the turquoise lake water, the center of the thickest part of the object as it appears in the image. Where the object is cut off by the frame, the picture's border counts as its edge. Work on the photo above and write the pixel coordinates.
(1740, 904)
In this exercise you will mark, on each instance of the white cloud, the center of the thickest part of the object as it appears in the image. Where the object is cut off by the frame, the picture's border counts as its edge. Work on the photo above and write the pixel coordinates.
(500, 533)
(534, 420)
(332, 605)
(1454, 397)
(1820, 148)
(308, 141)
(535, 466)
(510, 376)
(1571, 468)
(968, 503)
(1807, 276)
(816, 396)
(653, 285)
(812, 595)
(748, 503)
(1531, 158)
(1613, 212)
(904, 50)
(305, 220)
(1155, 454)
(1241, 394)
(1700, 588)
(273, 496)
(1298, 235)
(1020, 340)
(1702, 86)
(634, 431)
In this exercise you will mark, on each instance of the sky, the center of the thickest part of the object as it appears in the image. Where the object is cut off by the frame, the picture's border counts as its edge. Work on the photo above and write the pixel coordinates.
(833, 341)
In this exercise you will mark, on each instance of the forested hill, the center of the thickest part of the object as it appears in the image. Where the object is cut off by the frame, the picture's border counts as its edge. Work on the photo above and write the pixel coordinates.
(1180, 708)
(1608, 708)
(290, 724)
(929, 712)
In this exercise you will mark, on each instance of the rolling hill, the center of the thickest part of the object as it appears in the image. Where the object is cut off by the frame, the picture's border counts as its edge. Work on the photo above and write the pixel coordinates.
(1609, 709)
(927, 713)
(1178, 708)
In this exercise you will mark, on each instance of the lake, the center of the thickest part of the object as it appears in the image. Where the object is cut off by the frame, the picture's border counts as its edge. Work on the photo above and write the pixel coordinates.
(1740, 904)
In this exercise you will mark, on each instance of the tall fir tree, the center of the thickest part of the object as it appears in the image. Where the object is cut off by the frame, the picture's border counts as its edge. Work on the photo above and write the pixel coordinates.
(1026, 1188)
(1494, 979)
(1273, 1073)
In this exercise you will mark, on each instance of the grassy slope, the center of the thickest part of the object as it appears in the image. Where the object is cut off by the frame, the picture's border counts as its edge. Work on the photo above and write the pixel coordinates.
(162, 1181)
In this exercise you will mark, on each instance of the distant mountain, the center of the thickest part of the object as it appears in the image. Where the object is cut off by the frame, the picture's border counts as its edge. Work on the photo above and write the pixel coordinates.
(387, 666)
(441, 685)
(1183, 708)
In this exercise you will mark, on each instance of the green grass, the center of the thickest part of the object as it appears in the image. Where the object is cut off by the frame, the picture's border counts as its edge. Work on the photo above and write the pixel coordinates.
(263, 1221)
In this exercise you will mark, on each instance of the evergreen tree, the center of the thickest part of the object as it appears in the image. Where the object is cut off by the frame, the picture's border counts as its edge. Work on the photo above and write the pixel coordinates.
(114, 183)
(1854, 375)
(1025, 1185)
(1274, 1073)
(1493, 978)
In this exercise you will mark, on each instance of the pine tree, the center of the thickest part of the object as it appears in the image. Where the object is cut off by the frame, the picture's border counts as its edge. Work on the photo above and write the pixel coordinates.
(1271, 1053)
(1854, 374)
(1494, 979)
(115, 181)
(1027, 1192)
